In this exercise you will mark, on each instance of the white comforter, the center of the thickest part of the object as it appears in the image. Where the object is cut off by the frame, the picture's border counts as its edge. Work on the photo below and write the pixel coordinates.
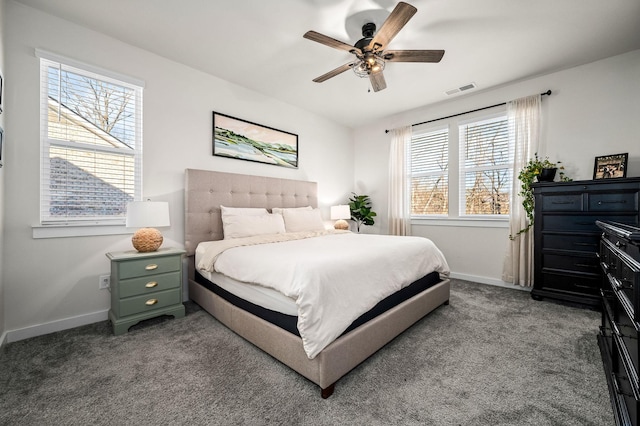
(334, 277)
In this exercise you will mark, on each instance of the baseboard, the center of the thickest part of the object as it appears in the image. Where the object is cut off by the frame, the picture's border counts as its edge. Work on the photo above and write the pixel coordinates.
(52, 327)
(487, 280)
(3, 340)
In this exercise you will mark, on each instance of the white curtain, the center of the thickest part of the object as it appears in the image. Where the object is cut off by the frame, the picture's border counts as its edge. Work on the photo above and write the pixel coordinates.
(399, 188)
(524, 116)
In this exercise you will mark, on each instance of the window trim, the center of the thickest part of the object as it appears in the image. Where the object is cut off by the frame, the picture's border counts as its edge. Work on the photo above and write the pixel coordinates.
(454, 218)
(92, 225)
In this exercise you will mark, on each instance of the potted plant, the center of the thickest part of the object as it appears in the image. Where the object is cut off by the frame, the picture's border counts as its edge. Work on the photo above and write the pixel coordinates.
(361, 213)
(536, 170)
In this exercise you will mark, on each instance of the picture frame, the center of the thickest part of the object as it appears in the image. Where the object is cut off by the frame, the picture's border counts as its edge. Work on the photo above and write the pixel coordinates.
(610, 166)
(249, 141)
(1, 92)
(1, 144)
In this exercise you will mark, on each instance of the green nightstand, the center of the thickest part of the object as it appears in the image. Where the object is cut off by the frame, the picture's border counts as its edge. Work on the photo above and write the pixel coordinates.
(145, 285)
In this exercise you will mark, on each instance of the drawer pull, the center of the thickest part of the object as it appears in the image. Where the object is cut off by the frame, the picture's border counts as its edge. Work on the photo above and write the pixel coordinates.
(562, 202)
(585, 265)
(612, 202)
(151, 302)
(151, 267)
(151, 284)
(581, 285)
(586, 244)
(619, 244)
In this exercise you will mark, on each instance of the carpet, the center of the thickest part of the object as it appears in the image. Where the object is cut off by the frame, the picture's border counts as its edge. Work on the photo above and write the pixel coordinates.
(493, 356)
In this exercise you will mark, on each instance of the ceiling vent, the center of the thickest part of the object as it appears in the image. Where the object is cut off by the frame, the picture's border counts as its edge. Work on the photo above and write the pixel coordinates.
(461, 89)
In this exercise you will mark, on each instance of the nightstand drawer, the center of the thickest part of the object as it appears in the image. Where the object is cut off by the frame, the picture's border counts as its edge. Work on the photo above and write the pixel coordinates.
(150, 284)
(150, 266)
(144, 303)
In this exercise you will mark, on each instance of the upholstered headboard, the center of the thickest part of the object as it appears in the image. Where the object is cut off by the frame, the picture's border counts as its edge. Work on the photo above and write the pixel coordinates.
(206, 190)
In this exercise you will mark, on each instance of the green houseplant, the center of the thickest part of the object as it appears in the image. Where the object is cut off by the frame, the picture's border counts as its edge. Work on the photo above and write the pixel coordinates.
(361, 213)
(536, 170)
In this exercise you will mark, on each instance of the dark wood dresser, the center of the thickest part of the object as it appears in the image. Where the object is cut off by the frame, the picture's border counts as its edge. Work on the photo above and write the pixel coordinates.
(566, 238)
(619, 332)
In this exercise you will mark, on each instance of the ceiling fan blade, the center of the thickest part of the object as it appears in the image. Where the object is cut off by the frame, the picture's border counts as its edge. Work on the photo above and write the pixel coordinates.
(335, 72)
(377, 81)
(331, 42)
(398, 18)
(412, 55)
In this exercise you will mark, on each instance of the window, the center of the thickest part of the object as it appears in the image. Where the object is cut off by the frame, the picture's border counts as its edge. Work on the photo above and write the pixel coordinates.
(462, 169)
(429, 172)
(486, 167)
(91, 142)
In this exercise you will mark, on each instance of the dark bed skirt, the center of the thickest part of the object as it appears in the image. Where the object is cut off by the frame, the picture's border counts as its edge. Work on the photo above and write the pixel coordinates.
(289, 322)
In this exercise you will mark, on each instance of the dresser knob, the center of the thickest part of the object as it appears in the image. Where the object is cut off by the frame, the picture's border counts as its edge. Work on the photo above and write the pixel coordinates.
(151, 302)
(151, 284)
(151, 267)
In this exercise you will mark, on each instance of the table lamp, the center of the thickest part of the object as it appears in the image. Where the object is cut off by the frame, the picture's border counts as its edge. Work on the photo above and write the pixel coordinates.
(146, 215)
(341, 213)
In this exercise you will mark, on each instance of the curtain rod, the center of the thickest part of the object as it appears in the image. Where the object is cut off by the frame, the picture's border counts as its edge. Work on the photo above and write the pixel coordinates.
(548, 92)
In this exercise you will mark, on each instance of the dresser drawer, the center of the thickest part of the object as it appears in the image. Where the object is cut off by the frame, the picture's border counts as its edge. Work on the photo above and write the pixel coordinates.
(570, 283)
(562, 203)
(581, 223)
(613, 202)
(586, 263)
(573, 242)
(150, 284)
(144, 303)
(151, 266)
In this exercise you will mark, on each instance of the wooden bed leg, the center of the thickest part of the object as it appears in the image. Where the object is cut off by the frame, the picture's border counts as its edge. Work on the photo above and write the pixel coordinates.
(328, 391)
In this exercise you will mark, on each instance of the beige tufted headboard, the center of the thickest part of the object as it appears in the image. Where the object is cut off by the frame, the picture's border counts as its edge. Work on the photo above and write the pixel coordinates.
(206, 190)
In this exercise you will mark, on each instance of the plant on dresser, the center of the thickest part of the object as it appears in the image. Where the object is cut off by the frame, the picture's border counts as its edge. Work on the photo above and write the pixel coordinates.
(566, 238)
(145, 285)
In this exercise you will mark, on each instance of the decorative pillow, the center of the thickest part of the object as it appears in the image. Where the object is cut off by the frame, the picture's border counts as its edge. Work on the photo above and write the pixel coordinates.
(280, 210)
(297, 220)
(242, 211)
(239, 226)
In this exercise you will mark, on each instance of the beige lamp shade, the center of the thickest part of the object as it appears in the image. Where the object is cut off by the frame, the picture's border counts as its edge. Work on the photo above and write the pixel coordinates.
(341, 212)
(146, 215)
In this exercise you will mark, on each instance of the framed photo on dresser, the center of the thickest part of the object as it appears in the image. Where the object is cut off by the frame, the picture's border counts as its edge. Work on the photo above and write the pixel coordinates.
(611, 166)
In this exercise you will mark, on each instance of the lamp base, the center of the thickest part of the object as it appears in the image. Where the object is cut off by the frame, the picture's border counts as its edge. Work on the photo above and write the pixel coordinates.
(341, 224)
(147, 239)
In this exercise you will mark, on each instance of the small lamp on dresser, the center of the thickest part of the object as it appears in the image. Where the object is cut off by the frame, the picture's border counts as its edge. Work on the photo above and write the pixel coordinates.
(147, 215)
(339, 214)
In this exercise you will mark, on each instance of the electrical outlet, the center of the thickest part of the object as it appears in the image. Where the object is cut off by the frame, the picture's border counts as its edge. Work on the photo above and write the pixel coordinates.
(104, 281)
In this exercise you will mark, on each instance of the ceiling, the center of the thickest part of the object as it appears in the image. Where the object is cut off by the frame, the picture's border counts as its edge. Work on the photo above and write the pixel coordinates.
(258, 44)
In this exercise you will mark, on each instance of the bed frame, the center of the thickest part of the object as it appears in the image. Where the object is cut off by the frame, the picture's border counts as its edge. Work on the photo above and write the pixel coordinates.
(205, 191)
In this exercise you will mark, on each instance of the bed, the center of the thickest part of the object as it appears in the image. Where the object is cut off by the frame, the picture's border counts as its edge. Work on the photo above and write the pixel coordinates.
(272, 331)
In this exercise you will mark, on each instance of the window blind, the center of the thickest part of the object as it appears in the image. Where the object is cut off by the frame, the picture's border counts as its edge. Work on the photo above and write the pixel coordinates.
(429, 173)
(91, 145)
(486, 167)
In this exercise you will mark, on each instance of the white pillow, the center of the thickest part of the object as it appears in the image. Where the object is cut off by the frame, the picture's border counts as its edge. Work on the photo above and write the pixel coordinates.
(280, 210)
(297, 220)
(242, 211)
(238, 226)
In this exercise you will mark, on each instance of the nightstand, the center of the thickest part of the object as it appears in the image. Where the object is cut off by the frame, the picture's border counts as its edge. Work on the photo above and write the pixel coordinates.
(145, 285)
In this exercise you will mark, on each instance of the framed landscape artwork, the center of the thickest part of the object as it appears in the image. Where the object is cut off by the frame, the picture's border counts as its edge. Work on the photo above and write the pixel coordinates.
(611, 166)
(244, 140)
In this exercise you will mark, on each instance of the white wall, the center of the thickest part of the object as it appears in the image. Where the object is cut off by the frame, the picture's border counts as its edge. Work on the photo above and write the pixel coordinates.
(594, 110)
(55, 281)
(2, 180)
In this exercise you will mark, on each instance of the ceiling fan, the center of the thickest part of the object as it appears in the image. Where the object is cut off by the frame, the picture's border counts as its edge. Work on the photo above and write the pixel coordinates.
(370, 52)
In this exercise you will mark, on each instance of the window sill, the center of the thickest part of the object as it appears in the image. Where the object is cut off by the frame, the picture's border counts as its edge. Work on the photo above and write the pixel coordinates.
(483, 222)
(77, 230)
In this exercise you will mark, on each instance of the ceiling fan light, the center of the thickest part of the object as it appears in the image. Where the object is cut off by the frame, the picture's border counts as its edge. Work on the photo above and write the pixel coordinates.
(364, 67)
